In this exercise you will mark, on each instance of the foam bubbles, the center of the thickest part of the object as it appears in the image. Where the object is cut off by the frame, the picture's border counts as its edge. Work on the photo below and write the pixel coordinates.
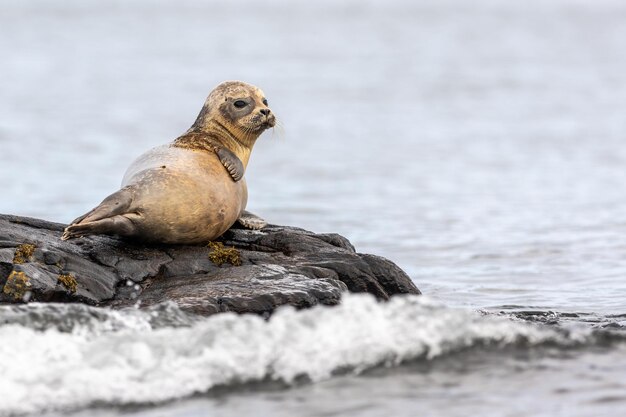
(123, 358)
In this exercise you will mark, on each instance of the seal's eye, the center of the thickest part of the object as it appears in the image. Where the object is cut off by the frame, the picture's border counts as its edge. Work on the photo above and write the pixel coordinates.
(240, 104)
(265, 101)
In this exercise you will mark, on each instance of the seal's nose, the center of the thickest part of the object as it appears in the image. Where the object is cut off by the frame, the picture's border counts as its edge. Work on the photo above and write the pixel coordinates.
(265, 112)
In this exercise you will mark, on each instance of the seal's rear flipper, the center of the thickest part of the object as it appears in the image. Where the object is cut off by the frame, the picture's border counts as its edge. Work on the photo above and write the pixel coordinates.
(116, 225)
(251, 221)
(107, 218)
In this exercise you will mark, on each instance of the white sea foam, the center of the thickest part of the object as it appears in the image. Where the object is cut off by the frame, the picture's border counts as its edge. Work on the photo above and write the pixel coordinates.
(138, 363)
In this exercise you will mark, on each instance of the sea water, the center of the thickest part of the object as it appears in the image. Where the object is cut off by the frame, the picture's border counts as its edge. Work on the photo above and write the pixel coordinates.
(481, 146)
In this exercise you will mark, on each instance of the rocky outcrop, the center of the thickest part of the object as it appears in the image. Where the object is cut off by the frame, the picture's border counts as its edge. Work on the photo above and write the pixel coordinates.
(276, 266)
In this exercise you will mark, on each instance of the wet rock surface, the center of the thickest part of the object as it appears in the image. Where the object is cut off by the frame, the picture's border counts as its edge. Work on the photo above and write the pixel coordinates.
(276, 266)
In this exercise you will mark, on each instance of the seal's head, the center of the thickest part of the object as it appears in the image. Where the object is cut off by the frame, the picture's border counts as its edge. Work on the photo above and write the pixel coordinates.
(240, 108)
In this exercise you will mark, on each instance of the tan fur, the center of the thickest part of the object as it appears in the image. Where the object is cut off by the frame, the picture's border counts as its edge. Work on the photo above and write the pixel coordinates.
(182, 193)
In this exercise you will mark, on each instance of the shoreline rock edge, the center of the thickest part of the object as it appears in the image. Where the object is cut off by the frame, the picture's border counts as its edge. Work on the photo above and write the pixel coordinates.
(279, 265)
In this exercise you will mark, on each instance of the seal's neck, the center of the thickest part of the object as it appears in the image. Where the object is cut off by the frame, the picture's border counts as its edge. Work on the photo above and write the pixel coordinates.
(211, 133)
(237, 141)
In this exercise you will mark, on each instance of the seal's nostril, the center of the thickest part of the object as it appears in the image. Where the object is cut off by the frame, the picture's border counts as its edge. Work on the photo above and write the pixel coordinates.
(265, 112)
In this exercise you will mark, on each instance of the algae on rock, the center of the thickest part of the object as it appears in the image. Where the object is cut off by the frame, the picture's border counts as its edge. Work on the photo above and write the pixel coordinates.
(221, 254)
(23, 253)
(17, 285)
(69, 282)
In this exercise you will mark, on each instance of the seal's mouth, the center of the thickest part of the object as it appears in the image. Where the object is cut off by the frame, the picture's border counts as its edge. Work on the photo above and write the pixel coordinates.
(270, 121)
(263, 122)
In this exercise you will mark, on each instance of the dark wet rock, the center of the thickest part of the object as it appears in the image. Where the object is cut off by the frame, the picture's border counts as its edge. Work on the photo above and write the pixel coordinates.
(279, 265)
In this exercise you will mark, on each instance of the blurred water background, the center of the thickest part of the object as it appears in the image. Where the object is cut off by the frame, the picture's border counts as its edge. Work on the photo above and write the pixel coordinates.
(480, 145)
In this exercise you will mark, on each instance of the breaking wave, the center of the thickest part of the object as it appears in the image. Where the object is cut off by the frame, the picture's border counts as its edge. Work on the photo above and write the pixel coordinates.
(61, 357)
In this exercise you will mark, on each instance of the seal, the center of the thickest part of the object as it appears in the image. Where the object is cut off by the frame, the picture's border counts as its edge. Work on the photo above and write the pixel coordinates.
(192, 190)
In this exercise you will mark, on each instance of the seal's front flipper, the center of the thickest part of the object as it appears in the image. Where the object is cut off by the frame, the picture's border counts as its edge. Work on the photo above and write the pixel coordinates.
(233, 165)
(96, 220)
(251, 221)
